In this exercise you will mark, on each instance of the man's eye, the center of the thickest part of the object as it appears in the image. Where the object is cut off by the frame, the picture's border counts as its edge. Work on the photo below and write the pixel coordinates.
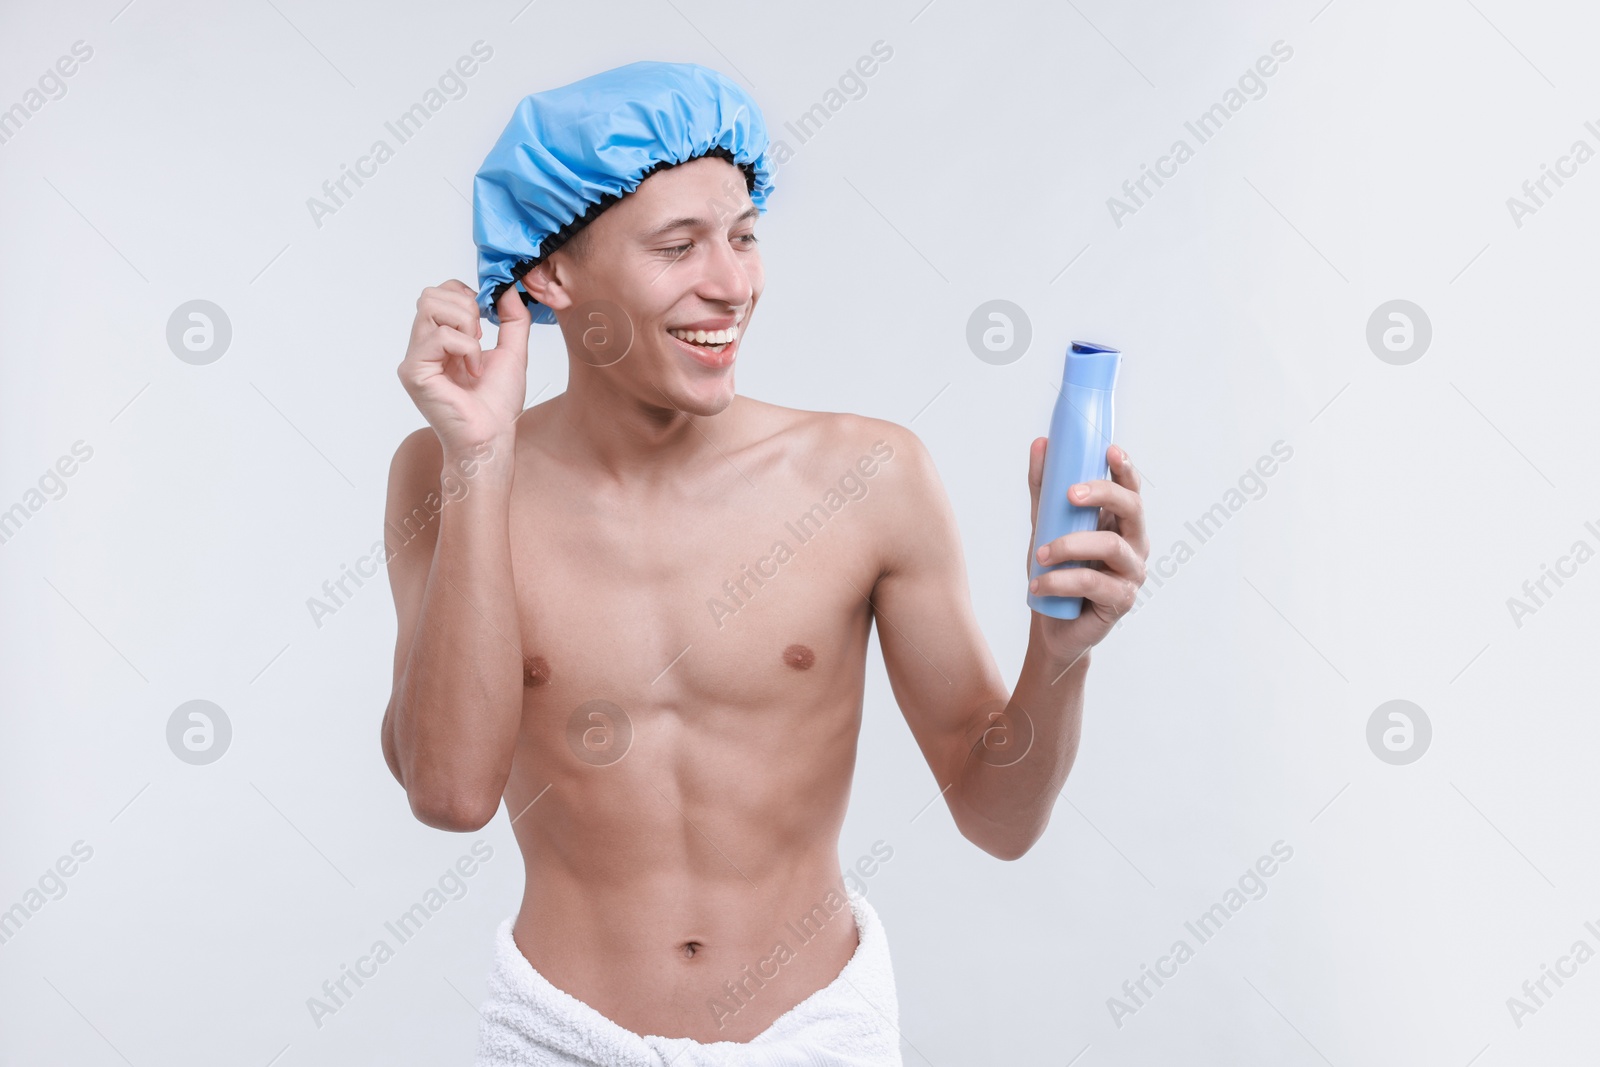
(676, 252)
(750, 237)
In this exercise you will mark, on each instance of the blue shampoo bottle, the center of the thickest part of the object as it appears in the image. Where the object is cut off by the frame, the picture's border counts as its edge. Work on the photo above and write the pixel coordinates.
(1080, 433)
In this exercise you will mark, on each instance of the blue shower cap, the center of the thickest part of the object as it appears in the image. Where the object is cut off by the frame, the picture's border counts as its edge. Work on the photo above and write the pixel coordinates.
(569, 153)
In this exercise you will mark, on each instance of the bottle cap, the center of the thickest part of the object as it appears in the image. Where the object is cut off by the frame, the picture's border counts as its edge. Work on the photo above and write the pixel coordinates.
(1092, 366)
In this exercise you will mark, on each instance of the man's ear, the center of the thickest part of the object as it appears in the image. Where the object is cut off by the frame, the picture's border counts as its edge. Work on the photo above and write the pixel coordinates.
(547, 283)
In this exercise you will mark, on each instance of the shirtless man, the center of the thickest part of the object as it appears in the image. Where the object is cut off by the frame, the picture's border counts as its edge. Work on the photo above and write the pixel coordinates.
(603, 552)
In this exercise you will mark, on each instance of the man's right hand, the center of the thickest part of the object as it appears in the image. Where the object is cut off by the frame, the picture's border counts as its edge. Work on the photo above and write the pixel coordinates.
(469, 396)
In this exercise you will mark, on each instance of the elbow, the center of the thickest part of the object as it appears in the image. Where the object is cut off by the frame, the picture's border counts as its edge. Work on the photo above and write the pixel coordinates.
(441, 795)
(1004, 851)
(452, 811)
(1007, 847)
(391, 756)
(1009, 840)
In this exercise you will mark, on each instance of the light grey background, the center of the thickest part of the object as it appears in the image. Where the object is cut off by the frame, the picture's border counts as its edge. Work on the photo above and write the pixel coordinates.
(1228, 713)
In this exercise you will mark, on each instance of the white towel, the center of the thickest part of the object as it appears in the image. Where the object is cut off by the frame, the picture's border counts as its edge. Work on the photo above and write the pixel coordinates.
(854, 1021)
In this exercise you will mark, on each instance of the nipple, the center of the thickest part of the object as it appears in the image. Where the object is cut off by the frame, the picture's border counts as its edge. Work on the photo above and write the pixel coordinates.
(799, 657)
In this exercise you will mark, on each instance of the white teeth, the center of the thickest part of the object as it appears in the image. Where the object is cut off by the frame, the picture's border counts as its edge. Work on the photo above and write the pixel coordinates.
(702, 337)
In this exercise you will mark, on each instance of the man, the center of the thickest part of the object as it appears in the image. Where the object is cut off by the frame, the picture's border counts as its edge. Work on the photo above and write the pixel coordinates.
(642, 623)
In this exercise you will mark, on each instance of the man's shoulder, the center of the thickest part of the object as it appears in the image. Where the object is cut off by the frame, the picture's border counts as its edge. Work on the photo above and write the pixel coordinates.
(822, 434)
(416, 459)
(830, 446)
(895, 450)
(882, 464)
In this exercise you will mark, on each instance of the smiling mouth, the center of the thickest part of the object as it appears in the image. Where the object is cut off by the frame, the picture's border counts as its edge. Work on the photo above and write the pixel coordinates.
(710, 340)
(708, 351)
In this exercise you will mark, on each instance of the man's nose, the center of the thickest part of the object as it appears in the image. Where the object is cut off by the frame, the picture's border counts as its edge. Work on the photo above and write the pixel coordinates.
(725, 280)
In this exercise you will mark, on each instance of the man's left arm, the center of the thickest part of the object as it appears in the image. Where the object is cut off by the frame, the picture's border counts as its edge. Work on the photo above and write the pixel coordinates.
(1001, 757)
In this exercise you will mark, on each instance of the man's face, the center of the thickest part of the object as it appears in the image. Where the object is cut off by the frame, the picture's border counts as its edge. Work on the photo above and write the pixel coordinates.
(679, 252)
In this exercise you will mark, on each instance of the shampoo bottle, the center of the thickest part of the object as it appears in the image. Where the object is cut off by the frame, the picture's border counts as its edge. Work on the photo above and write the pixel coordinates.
(1080, 433)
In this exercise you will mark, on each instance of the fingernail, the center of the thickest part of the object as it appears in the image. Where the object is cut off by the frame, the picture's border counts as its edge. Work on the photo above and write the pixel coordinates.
(1080, 491)
(1043, 555)
(1033, 586)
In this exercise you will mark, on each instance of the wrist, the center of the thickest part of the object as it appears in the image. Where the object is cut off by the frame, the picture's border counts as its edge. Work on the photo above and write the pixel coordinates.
(488, 450)
(1058, 657)
(489, 460)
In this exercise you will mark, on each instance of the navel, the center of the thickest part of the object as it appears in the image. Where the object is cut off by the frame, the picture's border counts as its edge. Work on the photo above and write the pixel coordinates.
(690, 948)
(799, 657)
(535, 672)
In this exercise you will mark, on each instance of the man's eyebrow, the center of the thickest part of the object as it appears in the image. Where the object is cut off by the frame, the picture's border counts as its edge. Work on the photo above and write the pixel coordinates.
(693, 222)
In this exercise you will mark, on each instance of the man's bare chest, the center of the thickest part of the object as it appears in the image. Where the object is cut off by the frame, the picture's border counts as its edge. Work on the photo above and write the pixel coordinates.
(750, 596)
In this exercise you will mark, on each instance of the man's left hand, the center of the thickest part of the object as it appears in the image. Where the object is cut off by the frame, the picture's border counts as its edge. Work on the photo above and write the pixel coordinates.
(1115, 555)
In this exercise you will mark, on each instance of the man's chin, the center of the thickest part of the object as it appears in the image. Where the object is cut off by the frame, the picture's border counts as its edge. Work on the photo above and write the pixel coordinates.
(694, 387)
(706, 397)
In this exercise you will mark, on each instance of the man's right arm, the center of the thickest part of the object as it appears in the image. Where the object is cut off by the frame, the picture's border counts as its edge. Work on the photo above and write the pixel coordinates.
(453, 716)
(450, 730)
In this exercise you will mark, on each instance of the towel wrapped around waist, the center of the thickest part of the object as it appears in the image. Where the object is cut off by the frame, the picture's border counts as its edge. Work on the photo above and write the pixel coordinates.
(854, 1021)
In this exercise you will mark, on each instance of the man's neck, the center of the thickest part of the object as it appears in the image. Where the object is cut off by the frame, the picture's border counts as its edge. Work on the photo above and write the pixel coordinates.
(631, 440)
